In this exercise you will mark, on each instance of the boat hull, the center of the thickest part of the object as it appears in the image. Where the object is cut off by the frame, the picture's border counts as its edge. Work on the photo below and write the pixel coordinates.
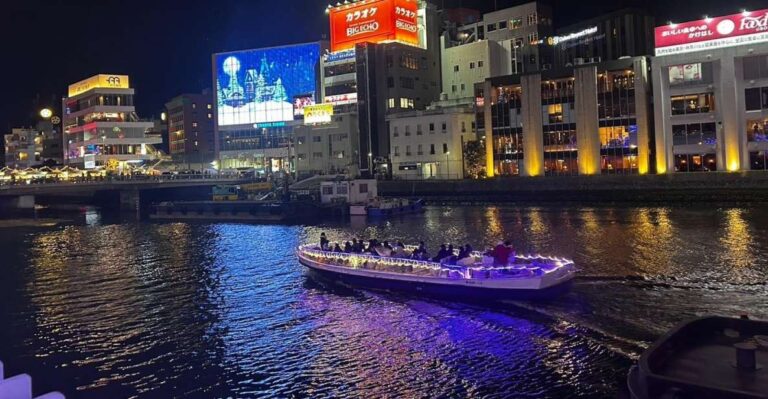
(425, 287)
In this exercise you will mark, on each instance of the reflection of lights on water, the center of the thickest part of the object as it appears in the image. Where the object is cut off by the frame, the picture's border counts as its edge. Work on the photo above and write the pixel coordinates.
(736, 240)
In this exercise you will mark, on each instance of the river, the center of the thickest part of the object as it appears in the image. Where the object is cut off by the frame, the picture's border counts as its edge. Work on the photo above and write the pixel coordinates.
(102, 307)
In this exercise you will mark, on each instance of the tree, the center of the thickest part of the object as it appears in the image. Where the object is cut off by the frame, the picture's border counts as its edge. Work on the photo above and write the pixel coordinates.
(474, 157)
(279, 94)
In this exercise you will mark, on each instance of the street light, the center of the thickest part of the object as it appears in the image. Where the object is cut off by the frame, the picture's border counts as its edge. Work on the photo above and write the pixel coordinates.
(46, 113)
(370, 163)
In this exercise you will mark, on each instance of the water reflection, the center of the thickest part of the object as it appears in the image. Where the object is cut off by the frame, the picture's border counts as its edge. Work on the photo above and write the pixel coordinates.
(216, 310)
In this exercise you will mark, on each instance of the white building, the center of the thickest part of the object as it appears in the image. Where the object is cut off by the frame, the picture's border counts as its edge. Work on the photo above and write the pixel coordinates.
(710, 85)
(100, 122)
(328, 148)
(429, 144)
(504, 42)
(23, 148)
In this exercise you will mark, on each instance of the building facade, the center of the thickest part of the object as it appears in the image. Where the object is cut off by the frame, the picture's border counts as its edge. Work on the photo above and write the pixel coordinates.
(258, 100)
(504, 42)
(190, 130)
(23, 148)
(429, 144)
(328, 148)
(576, 121)
(101, 125)
(710, 84)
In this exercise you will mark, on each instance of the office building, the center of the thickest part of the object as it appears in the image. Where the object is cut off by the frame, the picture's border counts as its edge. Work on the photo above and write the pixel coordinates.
(23, 148)
(101, 126)
(190, 130)
(710, 81)
(259, 98)
(328, 146)
(585, 120)
(429, 144)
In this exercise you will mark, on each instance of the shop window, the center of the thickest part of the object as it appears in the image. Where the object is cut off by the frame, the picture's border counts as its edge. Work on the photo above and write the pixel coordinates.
(695, 162)
(757, 130)
(693, 104)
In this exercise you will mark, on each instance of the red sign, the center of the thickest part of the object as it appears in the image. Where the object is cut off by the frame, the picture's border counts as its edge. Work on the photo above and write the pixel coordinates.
(747, 27)
(374, 22)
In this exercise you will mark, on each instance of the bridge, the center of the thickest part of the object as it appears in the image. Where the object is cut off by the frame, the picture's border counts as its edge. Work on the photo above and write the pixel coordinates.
(118, 193)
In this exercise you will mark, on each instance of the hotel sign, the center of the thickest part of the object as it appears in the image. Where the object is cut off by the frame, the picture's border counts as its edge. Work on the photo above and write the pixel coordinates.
(374, 22)
(99, 81)
(318, 113)
(711, 33)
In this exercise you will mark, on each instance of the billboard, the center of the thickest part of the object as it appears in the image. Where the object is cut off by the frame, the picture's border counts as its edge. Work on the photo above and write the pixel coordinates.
(260, 86)
(730, 30)
(319, 113)
(99, 81)
(374, 21)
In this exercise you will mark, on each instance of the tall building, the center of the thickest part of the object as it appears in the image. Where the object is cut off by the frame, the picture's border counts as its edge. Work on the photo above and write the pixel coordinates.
(23, 148)
(190, 130)
(585, 120)
(624, 33)
(259, 98)
(710, 86)
(504, 42)
(380, 63)
(327, 146)
(101, 126)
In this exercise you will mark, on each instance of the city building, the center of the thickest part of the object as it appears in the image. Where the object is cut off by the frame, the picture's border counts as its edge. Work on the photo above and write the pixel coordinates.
(504, 42)
(260, 94)
(586, 120)
(52, 152)
(23, 148)
(624, 33)
(393, 67)
(190, 130)
(710, 87)
(429, 144)
(327, 146)
(101, 126)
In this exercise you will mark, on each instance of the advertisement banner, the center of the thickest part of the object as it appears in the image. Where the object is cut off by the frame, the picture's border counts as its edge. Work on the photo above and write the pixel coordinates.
(730, 30)
(99, 81)
(319, 113)
(375, 22)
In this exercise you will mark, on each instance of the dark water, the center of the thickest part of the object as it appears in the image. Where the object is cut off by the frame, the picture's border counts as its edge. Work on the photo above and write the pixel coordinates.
(102, 309)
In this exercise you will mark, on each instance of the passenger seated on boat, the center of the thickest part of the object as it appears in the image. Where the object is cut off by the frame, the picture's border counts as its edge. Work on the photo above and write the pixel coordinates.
(465, 257)
(420, 252)
(512, 254)
(387, 246)
(442, 253)
(501, 253)
(372, 244)
(348, 247)
(323, 242)
(337, 248)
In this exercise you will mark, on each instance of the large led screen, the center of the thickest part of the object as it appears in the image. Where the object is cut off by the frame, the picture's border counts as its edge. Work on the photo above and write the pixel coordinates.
(258, 86)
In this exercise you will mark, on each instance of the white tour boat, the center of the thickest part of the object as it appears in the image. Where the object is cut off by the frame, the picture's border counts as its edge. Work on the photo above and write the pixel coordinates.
(526, 276)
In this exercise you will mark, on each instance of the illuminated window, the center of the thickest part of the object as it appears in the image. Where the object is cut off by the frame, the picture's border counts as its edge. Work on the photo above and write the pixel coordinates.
(391, 103)
(516, 23)
(194, 124)
(194, 106)
(210, 106)
(210, 116)
(533, 19)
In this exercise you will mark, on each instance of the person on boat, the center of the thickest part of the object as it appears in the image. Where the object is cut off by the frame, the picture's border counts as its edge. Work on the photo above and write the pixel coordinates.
(337, 248)
(511, 251)
(348, 247)
(442, 253)
(387, 246)
(372, 244)
(420, 252)
(465, 256)
(323, 242)
(500, 254)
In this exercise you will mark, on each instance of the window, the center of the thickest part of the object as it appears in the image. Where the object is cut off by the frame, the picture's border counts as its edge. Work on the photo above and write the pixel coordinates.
(491, 27)
(432, 149)
(407, 150)
(755, 67)
(418, 130)
(533, 19)
(317, 139)
(209, 106)
(445, 127)
(194, 124)
(685, 73)
(327, 190)
(693, 104)
(301, 157)
(533, 38)
(395, 132)
(391, 103)
(407, 130)
(342, 189)
(757, 130)
(471, 65)
(363, 188)
(756, 98)
(445, 148)
(455, 68)
(210, 116)
(317, 155)
(431, 127)
(390, 82)
(419, 150)
(453, 88)
(406, 103)
(516, 23)
(479, 64)
(300, 140)
(463, 126)
(694, 134)
(519, 42)
(338, 154)
(397, 151)
(463, 87)
(502, 24)
(406, 83)
(194, 106)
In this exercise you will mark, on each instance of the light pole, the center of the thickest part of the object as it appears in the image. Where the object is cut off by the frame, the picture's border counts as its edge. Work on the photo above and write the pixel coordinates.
(447, 165)
(370, 163)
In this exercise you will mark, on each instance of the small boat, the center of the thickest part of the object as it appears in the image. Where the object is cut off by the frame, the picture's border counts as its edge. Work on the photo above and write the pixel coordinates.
(705, 358)
(527, 277)
(387, 207)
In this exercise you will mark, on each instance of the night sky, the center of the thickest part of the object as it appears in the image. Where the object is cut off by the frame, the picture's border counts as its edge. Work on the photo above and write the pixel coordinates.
(166, 45)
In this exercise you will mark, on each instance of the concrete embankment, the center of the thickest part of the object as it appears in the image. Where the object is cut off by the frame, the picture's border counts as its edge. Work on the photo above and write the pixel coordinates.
(683, 187)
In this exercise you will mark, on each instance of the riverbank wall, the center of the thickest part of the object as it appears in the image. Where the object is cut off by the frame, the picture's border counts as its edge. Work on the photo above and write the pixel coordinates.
(745, 187)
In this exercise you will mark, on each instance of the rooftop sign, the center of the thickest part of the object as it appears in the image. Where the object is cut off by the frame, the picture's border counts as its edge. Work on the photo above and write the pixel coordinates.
(374, 22)
(711, 33)
(99, 81)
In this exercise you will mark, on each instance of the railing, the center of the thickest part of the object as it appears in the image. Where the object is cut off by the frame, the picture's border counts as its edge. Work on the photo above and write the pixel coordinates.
(115, 179)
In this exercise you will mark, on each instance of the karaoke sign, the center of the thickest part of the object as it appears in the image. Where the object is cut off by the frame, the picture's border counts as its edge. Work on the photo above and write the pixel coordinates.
(711, 33)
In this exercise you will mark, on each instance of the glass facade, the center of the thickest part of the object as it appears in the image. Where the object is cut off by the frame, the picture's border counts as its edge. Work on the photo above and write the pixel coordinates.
(617, 121)
(559, 122)
(507, 125)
